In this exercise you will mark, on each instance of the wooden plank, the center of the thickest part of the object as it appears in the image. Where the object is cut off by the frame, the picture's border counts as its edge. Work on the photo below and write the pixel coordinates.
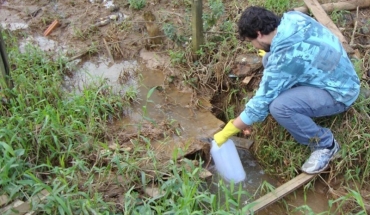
(19, 207)
(280, 192)
(324, 19)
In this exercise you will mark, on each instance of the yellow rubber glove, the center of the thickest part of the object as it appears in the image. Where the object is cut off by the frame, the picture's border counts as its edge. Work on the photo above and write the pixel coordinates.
(222, 136)
(261, 52)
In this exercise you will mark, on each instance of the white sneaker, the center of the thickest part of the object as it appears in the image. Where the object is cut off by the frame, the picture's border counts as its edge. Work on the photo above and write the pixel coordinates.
(319, 159)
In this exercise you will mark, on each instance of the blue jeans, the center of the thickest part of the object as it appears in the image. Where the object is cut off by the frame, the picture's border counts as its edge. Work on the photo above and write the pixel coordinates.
(295, 108)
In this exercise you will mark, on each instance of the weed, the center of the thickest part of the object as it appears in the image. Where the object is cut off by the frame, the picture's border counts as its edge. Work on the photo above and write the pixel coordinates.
(177, 57)
(217, 10)
(137, 4)
(46, 129)
(61, 138)
(145, 106)
(125, 25)
(181, 3)
(357, 63)
(171, 32)
(277, 6)
(337, 16)
(352, 197)
(78, 33)
(130, 94)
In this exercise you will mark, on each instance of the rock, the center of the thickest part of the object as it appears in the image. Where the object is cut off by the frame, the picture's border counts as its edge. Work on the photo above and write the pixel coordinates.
(205, 174)
(153, 191)
(246, 65)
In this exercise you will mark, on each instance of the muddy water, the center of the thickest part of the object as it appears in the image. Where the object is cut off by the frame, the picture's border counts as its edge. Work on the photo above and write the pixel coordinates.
(164, 103)
(256, 179)
(94, 74)
(168, 103)
(200, 123)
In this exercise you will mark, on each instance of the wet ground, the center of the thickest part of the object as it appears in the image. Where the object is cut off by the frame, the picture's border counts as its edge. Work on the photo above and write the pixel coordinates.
(134, 68)
(170, 104)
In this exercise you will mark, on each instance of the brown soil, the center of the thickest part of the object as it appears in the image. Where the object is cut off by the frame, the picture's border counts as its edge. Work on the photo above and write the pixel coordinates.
(88, 37)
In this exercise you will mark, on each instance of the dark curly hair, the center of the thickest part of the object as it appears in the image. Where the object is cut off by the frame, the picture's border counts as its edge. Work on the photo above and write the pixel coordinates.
(255, 19)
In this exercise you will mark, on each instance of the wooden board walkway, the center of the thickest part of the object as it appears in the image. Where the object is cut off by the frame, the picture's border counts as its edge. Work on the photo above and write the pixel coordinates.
(280, 192)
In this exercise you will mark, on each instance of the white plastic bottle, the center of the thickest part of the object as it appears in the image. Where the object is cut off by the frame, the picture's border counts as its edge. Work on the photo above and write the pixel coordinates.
(227, 161)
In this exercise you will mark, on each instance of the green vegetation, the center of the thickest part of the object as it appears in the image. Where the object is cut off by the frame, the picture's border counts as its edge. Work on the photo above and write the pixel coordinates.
(137, 4)
(216, 11)
(55, 140)
(273, 146)
(278, 6)
(338, 17)
(48, 133)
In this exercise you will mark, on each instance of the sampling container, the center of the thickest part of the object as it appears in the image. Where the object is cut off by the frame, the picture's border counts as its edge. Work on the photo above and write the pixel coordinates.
(227, 161)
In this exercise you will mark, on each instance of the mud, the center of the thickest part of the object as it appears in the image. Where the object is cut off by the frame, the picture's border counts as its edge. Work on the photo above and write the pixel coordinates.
(174, 113)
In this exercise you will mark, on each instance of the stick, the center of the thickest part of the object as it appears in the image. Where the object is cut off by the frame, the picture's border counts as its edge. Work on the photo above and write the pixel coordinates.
(51, 27)
(361, 46)
(354, 29)
(324, 19)
(330, 7)
(108, 50)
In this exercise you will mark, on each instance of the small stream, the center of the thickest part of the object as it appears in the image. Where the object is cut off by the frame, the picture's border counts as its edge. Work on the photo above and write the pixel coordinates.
(256, 180)
(173, 104)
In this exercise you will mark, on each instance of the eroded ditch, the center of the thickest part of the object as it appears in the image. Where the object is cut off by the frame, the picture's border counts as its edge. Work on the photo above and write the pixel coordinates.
(167, 103)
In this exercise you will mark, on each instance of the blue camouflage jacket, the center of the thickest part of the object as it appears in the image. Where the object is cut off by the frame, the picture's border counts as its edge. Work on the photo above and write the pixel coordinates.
(303, 53)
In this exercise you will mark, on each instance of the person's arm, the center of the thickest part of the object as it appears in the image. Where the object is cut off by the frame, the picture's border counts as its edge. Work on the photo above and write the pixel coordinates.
(233, 127)
(273, 82)
(238, 123)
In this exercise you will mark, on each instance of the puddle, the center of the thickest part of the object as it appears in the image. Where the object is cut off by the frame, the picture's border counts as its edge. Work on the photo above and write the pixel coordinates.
(166, 102)
(315, 198)
(119, 76)
(14, 26)
(173, 105)
(10, 20)
(255, 176)
(43, 43)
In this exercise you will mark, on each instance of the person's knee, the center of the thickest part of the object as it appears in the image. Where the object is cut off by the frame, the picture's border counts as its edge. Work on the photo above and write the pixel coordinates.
(277, 108)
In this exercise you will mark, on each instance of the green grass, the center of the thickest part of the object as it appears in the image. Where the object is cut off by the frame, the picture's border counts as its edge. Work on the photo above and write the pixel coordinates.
(274, 148)
(137, 4)
(48, 133)
(53, 140)
(337, 16)
(278, 6)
